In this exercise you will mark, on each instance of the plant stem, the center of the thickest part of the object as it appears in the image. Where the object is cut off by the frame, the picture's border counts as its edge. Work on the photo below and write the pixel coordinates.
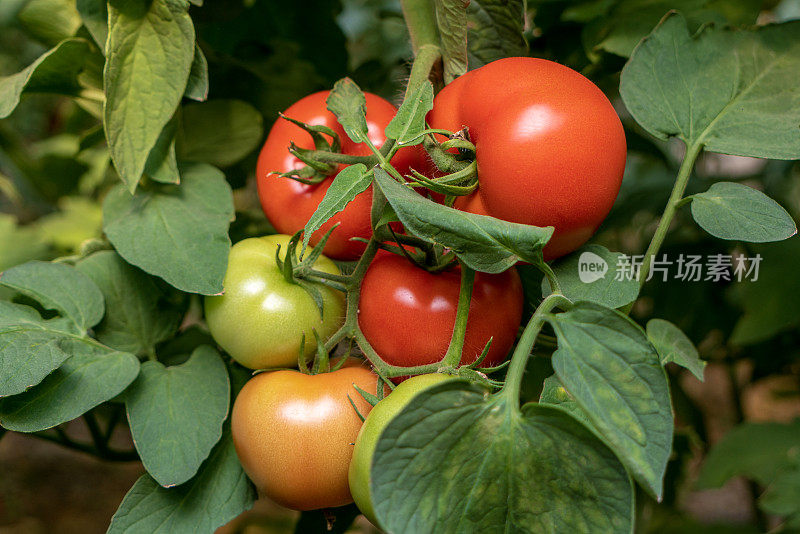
(420, 17)
(427, 57)
(520, 357)
(675, 198)
(453, 356)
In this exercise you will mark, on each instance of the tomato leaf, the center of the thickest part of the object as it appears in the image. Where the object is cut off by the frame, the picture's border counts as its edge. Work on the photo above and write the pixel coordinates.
(409, 123)
(218, 493)
(136, 319)
(605, 361)
(172, 443)
(93, 374)
(598, 285)
(673, 346)
(30, 347)
(51, 21)
(451, 19)
(162, 164)
(451, 461)
(197, 85)
(55, 71)
(618, 26)
(736, 455)
(219, 132)
(351, 181)
(348, 103)
(483, 243)
(729, 91)
(734, 211)
(60, 287)
(179, 233)
(554, 393)
(94, 14)
(495, 31)
(769, 297)
(150, 50)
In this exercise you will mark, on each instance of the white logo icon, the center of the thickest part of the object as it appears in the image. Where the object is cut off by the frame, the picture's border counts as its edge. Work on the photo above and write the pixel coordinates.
(591, 267)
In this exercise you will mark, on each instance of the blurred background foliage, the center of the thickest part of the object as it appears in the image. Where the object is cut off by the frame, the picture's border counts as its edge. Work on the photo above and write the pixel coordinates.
(264, 55)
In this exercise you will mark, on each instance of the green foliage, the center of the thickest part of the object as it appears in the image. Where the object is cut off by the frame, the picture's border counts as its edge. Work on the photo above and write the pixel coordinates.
(605, 361)
(179, 233)
(673, 346)
(483, 243)
(353, 180)
(606, 289)
(108, 167)
(173, 443)
(409, 123)
(218, 493)
(451, 18)
(453, 461)
(728, 91)
(734, 211)
(149, 57)
(55, 71)
(136, 319)
(219, 132)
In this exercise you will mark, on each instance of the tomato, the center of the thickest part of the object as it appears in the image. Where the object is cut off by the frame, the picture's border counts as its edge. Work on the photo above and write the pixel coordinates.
(376, 421)
(294, 434)
(260, 318)
(407, 313)
(550, 147)
(288, 204)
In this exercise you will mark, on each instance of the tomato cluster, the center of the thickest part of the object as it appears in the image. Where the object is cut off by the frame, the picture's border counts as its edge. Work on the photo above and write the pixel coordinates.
(549, 150)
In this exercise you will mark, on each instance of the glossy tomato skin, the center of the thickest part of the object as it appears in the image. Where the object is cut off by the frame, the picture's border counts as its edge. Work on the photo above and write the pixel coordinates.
(550, 147)
(294, 434)
(288, 204)
(380, 416)
(260, 318)
(407, 313)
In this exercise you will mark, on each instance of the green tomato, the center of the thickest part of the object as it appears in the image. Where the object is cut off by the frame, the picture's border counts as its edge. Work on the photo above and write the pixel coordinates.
(260, 318)
(376, 421)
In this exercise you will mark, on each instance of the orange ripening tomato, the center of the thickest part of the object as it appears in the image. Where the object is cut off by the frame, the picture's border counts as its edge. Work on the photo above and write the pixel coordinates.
(288, 204)
(294, 433)
(550, 147)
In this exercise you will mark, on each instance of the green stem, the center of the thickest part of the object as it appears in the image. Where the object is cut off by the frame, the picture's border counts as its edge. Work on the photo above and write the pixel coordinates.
(387, 370)
(520, 357)
(420, 17)
(555, 287)
(427, 57)
(675, 198)
(453, 356)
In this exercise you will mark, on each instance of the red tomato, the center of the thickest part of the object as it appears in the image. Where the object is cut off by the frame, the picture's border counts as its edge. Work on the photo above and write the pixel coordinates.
(288, 204)
(550, 147)
(407, 313)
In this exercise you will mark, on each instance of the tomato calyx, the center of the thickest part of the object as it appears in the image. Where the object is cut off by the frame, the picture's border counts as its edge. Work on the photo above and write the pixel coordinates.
(460, 167)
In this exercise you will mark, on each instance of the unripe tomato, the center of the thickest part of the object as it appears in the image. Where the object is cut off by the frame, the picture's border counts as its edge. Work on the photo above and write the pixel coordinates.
(260, 318)
(550, 147)
(407, 313)
(288, 204)
(294, 434)
(376, 421)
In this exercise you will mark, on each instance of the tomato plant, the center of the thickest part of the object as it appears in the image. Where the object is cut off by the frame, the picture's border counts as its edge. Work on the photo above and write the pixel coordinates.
(261, 318)
(293, 433)
(485, 142)
(550, 147)
(407, 313)
(288, 203)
